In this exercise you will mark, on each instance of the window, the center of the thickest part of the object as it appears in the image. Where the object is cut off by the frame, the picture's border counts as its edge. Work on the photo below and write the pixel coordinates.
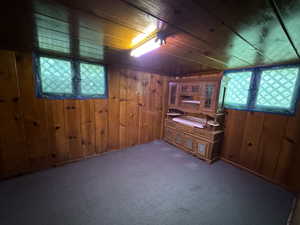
(238, 89)
(52, 34)
(56, 76)
(56, 79)
(277, 88)
(270, 89)
(67, 57)
(60, 79)
(92, 79)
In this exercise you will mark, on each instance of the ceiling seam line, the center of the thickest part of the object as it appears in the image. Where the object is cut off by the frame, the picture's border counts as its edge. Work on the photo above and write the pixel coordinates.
(281, 22)
(232, 30)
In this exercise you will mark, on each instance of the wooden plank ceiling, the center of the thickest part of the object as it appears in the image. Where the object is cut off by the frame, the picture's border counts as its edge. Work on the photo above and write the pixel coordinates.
(202, 35)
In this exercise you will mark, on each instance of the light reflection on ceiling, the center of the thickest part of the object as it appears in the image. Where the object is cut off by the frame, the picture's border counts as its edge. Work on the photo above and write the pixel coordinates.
(148, 31)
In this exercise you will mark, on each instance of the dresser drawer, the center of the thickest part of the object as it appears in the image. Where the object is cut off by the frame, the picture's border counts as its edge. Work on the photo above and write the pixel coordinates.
(188, 143)
(201, 148)
(179, 127)
(179, 139)
(169, 134)
(207, 135)
(170, 123)
(202, 133)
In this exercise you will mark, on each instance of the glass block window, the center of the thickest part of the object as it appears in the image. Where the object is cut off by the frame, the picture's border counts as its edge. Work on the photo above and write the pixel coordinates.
(56, 76)
(277, 88)
(92, 79)
(238, 85)
(270, 89)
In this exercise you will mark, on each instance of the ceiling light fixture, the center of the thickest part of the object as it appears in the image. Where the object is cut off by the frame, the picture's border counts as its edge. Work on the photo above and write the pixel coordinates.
(146, 47)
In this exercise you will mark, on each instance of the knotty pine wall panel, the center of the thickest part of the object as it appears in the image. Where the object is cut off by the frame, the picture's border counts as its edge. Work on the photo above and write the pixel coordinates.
(114, 108)
(39, 133)
(56, 131)
(87, 124)
(12, 134)
(101, 125)
(34, 115)
(132, 108)
(265, 144)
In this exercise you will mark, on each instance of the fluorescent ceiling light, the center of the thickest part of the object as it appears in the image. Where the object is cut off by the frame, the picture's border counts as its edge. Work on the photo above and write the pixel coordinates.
(149, 30)
(146, 47)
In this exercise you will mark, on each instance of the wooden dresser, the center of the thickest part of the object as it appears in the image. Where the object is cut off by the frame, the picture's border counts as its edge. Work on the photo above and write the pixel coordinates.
(196, 97)
(202, 143)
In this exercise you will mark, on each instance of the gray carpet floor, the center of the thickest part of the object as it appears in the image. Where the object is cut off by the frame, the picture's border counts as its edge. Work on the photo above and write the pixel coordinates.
(150, 184)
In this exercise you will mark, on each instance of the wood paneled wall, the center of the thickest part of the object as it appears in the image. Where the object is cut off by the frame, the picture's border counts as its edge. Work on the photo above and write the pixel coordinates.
(266, 144)
(39, 133)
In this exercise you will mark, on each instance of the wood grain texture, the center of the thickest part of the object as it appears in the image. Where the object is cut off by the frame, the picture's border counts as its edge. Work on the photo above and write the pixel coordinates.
(252, 134)
(292, 167)
(40, 133)
(234, 129)
(73, 128)
(265, 144)
(57, 135)
(201, 35)
(101, 125)
(12, 133)
(87, 124)
(114, 109)
(34, 114)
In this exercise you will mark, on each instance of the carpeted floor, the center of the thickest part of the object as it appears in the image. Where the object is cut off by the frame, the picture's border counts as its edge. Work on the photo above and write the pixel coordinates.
(150, 184)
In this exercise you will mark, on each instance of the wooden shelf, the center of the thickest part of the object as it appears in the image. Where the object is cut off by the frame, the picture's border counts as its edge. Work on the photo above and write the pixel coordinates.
(174, 114)
(191, 101)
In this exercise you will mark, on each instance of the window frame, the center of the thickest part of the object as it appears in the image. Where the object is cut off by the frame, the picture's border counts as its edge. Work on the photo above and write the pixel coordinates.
(73, 56)
(75, 68)
(254, 88)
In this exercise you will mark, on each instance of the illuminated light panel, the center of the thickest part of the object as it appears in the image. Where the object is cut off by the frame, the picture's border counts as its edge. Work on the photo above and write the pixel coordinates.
(149, 30)
(146, 47)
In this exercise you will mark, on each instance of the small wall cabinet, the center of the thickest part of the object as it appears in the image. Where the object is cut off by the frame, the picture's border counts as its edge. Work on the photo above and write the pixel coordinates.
(195, 95)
